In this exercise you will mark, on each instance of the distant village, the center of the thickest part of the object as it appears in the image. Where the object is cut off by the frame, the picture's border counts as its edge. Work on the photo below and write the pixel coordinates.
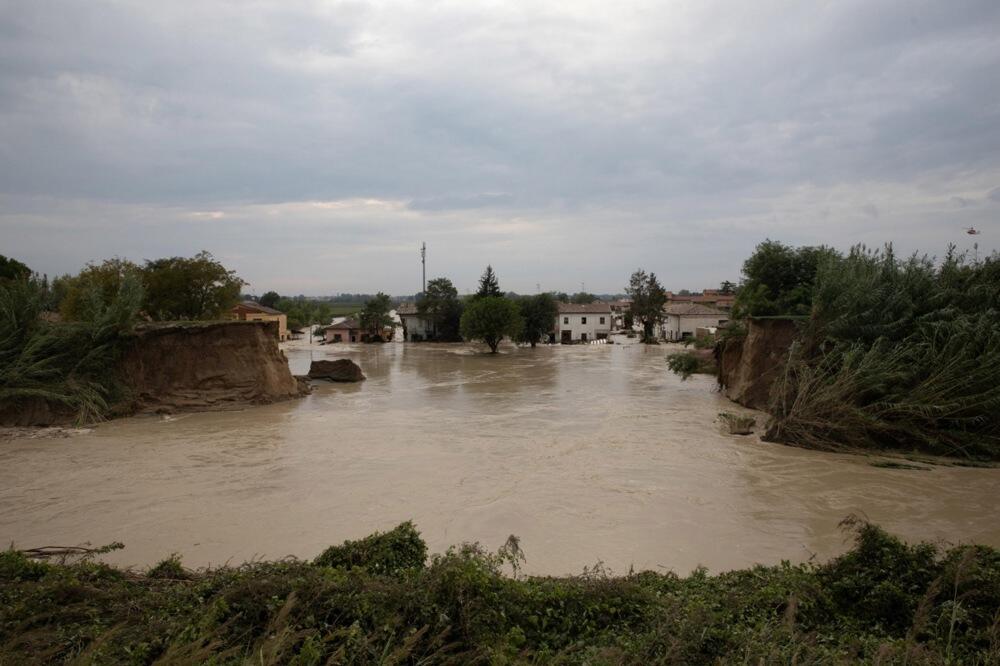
(685, 315)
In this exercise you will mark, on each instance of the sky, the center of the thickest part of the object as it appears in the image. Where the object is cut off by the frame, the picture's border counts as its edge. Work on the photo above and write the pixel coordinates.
(312, 145)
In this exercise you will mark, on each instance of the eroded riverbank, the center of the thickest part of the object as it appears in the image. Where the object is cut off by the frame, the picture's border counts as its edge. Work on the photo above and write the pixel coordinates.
(587, 453)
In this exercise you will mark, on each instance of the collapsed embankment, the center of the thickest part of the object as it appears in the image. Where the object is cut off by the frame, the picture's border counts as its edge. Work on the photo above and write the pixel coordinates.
(175, 367)
(211, 365)
(750, 364)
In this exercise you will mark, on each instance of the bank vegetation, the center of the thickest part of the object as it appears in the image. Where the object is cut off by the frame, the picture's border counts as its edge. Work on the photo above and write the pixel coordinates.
(896, 353)
(380, 601)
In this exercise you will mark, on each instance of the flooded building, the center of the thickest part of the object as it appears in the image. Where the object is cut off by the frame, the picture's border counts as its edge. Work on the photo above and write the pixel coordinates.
(583, 322)
(416, 327)
(347, 330)
(682, 320)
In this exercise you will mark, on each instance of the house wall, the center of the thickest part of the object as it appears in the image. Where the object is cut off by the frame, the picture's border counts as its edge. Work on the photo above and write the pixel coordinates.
(593, 328)
(345, 334)
(416, 326)
(676, 326)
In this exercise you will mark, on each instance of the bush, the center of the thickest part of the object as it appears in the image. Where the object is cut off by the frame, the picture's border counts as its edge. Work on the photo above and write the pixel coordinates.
(380, 553)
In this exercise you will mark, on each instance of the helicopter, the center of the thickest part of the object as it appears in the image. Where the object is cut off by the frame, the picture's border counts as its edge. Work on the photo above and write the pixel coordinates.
(972, 231)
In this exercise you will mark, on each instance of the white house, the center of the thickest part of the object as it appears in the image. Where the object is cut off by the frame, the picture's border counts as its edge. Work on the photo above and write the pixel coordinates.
(681, 320)
(415, 327)
(582, 323)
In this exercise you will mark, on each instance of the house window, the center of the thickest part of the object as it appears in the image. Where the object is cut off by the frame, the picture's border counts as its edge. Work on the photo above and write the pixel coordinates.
(565, 320)
(583, 320)
(602, 320)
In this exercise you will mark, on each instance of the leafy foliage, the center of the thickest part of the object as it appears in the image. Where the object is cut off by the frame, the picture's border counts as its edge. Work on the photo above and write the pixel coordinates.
(778, 280)
(375, 318)
(883, 601)
(178, 288)
(648, 298)
(68, 366)
(491, 319)
(270, 299)
(539, 313)
(898, 354)
(440, 304)
(391, 552)
(683, 364)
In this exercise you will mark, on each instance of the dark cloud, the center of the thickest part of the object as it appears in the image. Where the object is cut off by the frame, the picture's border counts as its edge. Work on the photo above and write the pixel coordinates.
(677, 133)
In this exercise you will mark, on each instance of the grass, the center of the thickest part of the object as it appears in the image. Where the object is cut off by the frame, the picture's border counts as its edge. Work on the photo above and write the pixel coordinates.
(882, 602)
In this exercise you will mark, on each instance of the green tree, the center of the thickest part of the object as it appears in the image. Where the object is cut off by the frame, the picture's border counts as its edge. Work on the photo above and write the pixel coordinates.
(648, 298)
(440, 305)
(539, 314)
(96, 286)
(490, 319)
(488, 284)
(727, 288)
(582, 298)
(270, 299)
(12, 269)
(778, 279)
(375, 317)
(178, 288)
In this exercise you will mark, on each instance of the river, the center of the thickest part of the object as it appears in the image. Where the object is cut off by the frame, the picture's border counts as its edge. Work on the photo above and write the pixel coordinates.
(588, 453)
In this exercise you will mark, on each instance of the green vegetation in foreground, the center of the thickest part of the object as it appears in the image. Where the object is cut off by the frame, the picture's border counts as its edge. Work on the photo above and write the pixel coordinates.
(376, 601)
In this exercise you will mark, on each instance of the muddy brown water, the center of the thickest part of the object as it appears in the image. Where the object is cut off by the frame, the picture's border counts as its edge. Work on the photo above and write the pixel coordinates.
(588, 453)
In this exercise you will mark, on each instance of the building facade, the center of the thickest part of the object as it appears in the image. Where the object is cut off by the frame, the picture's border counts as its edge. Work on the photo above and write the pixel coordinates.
(582, 323)
(415, 327)
(348, 330)
(682, 320)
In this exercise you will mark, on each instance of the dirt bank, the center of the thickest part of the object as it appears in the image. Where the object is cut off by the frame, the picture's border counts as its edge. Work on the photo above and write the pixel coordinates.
(212, 365)
(177, 367)
(748, 366)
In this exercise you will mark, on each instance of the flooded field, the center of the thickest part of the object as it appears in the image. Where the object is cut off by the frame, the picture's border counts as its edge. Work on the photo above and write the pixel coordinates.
(588, 453)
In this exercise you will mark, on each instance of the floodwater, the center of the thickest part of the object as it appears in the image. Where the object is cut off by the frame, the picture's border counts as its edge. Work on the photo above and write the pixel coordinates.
(587, 453)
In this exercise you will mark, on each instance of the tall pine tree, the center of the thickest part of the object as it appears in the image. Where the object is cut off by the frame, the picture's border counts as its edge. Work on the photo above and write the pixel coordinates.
(488, 284)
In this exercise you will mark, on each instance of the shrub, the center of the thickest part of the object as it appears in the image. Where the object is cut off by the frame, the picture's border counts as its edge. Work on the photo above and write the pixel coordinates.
(380, 553)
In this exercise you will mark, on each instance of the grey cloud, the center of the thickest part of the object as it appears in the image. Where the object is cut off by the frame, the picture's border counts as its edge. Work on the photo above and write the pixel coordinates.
(651, 119)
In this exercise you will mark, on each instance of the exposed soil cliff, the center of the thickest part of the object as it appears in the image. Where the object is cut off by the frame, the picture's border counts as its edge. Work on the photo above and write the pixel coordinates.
(749, 366)
(210, 365)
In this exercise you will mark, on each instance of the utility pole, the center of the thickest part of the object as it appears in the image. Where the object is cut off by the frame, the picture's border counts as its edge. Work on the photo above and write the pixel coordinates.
(423, 264)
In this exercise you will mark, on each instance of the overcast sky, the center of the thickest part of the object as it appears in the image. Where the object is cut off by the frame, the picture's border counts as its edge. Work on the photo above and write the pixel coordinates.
(313, 145)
